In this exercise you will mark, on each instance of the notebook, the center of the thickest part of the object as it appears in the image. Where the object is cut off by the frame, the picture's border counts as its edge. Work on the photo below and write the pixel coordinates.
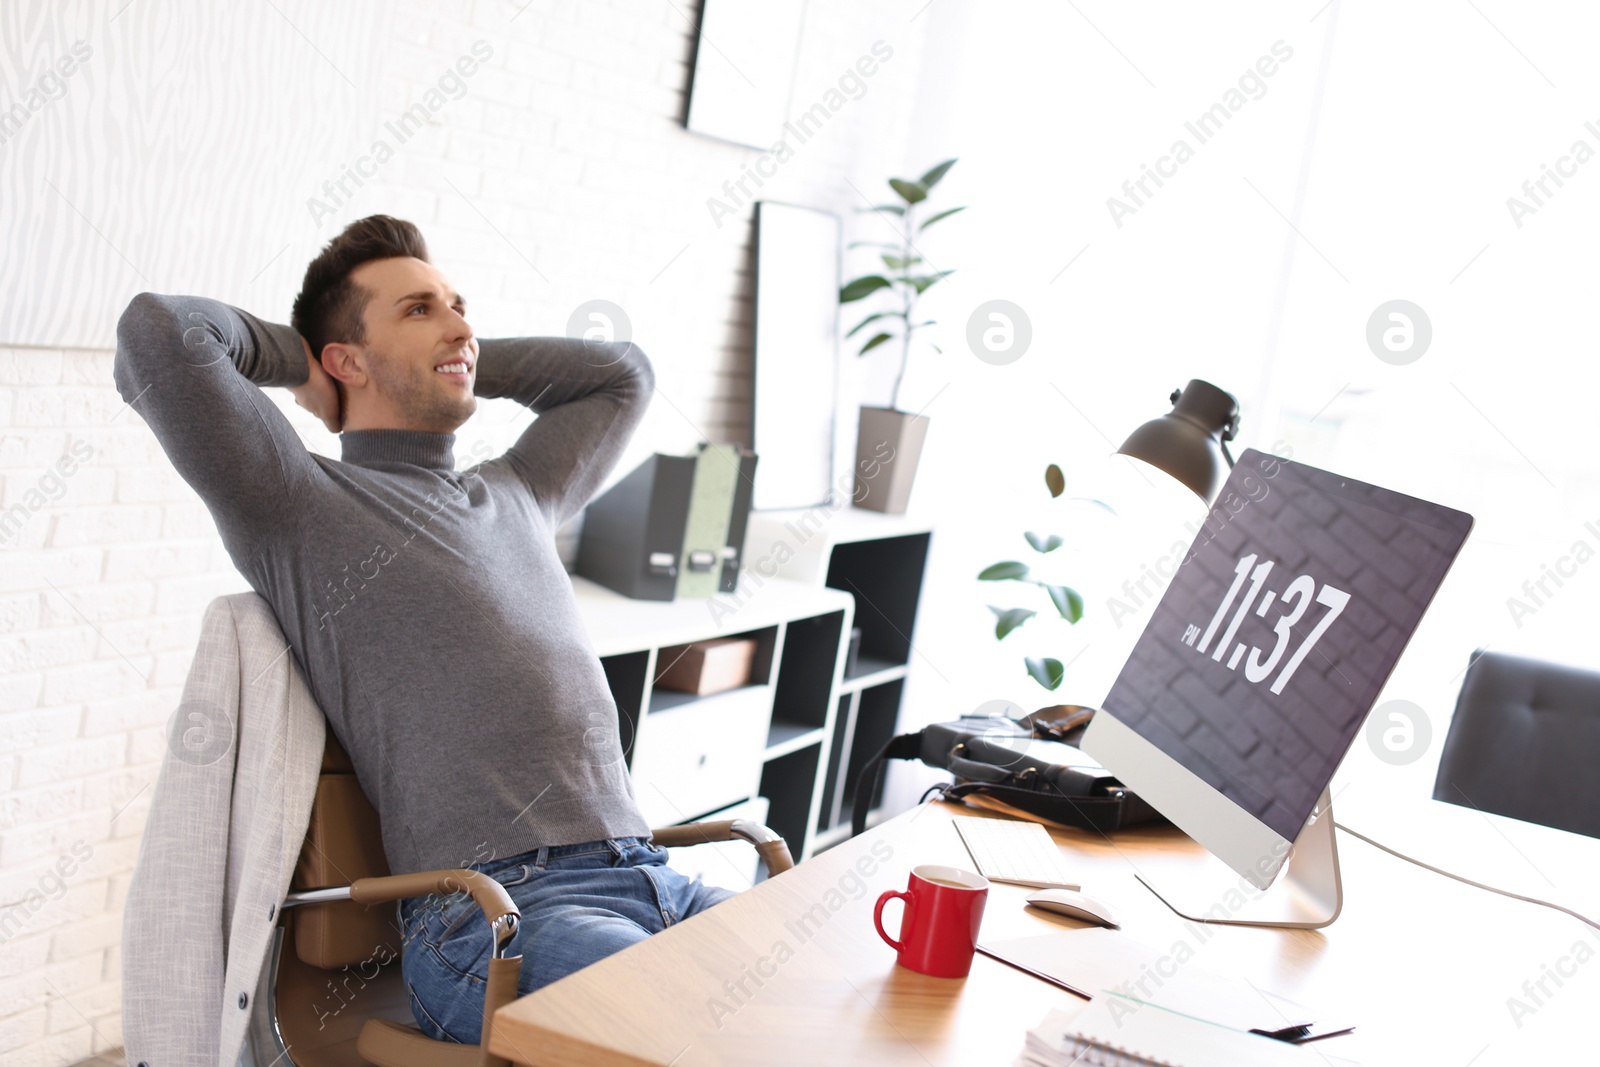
(1083, 961)
(1116, 1031)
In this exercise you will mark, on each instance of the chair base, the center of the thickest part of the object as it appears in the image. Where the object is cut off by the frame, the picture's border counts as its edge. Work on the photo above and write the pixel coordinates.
(386, 1043)
(301, 1022)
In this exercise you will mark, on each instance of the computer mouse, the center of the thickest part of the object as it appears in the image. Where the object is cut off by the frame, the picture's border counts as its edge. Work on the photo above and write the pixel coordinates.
(1075, 906)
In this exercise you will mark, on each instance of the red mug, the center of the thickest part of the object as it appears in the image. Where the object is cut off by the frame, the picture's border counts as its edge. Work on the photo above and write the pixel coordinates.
(939, 925)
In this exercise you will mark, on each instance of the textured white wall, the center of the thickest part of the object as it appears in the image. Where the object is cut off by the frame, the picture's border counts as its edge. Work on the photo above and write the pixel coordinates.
(182, 155)
(165, 158)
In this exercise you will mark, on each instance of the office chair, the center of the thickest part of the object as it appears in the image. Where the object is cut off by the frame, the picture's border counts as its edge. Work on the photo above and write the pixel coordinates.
(1523, 743)
(337, 944)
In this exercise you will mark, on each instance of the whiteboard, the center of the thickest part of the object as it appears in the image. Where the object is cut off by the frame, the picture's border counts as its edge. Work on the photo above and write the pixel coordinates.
(795, 381)
(743, 64)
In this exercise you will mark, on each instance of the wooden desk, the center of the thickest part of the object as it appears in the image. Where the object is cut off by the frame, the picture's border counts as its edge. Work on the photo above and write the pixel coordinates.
(1424, 966)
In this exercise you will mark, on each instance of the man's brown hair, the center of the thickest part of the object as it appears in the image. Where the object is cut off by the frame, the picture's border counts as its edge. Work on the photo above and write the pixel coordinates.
(329, 306)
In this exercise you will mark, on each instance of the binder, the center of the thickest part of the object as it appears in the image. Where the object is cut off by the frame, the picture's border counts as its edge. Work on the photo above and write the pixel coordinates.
(733, 551)
(632, 539)
(705, 533)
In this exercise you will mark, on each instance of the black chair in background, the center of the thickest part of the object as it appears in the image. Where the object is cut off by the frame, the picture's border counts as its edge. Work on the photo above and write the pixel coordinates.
(1524, 743)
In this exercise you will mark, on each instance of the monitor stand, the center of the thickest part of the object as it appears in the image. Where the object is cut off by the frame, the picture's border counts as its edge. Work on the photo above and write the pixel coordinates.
(1307, 895)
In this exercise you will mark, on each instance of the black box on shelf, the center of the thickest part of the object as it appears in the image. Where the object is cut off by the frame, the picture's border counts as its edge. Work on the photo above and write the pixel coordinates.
(633, 532)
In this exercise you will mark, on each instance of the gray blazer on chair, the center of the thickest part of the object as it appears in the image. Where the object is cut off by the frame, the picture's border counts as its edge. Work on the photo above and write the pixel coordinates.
(226, 823)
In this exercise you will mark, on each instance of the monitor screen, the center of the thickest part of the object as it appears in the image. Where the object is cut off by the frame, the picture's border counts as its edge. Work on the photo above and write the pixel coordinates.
(1280, 628)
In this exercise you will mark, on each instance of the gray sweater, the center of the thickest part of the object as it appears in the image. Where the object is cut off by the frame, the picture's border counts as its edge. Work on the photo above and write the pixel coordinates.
(427, 608)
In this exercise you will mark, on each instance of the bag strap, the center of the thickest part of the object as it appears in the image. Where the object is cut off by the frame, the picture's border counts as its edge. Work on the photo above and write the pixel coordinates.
(976, 771)
(1100, 814)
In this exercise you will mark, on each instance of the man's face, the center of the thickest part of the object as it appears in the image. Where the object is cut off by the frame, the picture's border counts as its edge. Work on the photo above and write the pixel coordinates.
(421, 355)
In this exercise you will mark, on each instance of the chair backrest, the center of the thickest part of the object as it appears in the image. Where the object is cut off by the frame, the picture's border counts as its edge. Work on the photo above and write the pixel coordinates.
(1523, 743)
(335, 956)
(343, 842)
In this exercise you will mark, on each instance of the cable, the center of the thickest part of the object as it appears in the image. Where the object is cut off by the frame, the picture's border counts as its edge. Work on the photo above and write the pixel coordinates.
(1469, 881)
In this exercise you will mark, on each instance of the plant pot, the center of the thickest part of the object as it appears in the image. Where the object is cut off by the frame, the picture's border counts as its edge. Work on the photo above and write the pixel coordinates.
(888, 446)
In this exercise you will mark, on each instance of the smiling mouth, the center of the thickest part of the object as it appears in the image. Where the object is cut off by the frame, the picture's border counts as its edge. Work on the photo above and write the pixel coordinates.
(460, 368)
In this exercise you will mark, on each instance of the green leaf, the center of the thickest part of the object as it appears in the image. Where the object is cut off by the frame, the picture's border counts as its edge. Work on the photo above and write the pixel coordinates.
(929, 221)
(1068, 602)
(1047, 672)
(999, 572)
(930, 179)
(1055, 480)
(1008, 619)
(862, 287)
(900, 262)
(873, 244)
(1043, 544)
(871, 317)
(923, 282)
(910, 192)
(874, 343)
(893, 209)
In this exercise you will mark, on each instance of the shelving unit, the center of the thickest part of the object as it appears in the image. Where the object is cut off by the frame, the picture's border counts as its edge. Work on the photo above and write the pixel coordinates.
(879, 560)
(755, 748)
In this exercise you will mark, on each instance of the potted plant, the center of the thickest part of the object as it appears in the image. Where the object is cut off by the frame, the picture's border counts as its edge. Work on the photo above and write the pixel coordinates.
(889, 441)
(1067, 602)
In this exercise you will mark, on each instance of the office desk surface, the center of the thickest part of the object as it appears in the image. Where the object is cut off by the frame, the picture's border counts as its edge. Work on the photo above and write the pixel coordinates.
(792, 972)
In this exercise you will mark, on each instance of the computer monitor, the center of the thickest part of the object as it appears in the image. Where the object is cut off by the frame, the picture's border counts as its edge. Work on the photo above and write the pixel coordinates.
(1266, 652)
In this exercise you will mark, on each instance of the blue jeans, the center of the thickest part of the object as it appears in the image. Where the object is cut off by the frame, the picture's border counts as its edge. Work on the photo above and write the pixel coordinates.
(579, 903)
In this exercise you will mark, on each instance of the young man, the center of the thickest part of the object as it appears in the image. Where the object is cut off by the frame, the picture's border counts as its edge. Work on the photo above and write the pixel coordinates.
(426, 606)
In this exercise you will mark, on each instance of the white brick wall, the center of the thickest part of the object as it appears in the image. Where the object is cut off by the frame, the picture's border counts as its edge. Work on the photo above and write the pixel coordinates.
(569, 147)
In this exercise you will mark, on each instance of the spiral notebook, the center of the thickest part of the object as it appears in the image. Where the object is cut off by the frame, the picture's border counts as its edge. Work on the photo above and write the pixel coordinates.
(1116, 1031)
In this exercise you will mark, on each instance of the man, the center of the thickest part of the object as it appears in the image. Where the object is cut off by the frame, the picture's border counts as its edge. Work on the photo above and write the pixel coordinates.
(427, 607)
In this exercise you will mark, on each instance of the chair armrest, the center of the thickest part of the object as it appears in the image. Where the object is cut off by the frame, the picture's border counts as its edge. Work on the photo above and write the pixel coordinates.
(773, 848)
(383, 1046)
(489, 894)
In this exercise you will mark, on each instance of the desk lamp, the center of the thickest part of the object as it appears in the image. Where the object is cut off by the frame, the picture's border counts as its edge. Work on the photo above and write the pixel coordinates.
(1190, 442)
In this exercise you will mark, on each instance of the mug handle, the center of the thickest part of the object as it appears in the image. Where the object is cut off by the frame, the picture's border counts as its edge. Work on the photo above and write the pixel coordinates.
(877, 916)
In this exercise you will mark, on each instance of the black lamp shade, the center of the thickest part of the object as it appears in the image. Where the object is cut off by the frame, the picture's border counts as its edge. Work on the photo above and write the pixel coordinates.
(1187, 442)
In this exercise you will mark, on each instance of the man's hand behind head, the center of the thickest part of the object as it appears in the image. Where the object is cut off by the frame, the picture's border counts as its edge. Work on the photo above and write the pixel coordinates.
(320, 393)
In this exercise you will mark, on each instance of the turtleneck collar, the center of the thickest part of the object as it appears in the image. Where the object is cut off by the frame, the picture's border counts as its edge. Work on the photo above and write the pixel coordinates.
(370, 448)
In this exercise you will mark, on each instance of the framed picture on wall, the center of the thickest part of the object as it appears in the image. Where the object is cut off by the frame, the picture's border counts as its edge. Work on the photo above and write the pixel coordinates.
(796, 375)
(744, 61)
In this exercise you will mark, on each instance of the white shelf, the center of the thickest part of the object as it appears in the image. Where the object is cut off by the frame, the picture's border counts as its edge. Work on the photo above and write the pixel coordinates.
(842, 525)
(692, 754)
(798, 543)
(701, 755)
(872, 678)
(619, 624)
(880, 560)
(667, 699)
(782, 589)
(786, 737)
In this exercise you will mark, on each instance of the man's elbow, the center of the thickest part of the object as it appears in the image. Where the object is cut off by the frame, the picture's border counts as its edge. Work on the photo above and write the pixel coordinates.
(142, 310)
(145, 319)
(139, 326)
